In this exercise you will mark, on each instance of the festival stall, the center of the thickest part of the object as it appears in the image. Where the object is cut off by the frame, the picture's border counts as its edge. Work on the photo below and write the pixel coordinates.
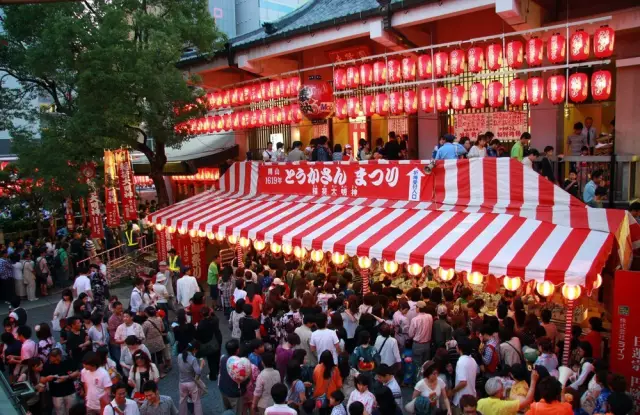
(481, 219)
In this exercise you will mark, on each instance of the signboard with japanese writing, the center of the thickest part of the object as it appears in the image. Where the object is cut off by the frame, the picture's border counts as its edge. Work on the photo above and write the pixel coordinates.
(162, 248)
(507, 125)
(110, 195)
(69, 214)
(396, 182)
(625, 332)
(127, 191)
(95, 215)
(184, 250)
(198, 258)
(347, 54)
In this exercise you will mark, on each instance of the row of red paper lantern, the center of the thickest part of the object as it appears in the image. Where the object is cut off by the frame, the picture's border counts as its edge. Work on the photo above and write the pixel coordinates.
(288, 114)
(476, 59)
(256, 93)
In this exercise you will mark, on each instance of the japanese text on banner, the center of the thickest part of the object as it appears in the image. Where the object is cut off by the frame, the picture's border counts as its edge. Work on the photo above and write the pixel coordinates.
(127, 190)
(110, 195)
(95, 215)
(506, 125)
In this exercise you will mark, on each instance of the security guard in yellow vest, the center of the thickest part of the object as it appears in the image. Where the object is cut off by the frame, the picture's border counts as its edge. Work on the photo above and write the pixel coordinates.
(131, 238)
(175, 265)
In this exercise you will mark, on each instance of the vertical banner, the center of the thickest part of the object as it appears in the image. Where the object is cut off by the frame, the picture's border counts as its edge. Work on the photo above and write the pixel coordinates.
(52, 227)
(198, 258)
(69, 214)
(83, 211)
(127, 190)
(625, 331)
(95, 214)
(162, 247)
(110, 195)
(184, 250)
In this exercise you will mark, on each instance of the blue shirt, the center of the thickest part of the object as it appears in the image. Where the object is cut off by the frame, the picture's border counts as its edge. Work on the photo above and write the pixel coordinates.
(589, 192)
(491, 152)
(450, 151)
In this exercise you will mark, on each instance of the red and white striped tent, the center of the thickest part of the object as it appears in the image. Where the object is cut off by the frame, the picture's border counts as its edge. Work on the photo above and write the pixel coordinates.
(490, 215)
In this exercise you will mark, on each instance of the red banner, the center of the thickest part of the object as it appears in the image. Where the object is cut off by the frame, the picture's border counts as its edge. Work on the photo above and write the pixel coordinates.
(110, 195)
(127, 191)
(625, 332)
(396, 182)
(184, 250)
(83, 211)
(198, 258)
(162, 248)
(95, 215)
(507, 125)
(69, 214)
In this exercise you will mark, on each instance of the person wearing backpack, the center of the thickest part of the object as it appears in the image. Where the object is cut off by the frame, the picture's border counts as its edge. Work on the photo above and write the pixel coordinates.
(365, 355)
(387, 349)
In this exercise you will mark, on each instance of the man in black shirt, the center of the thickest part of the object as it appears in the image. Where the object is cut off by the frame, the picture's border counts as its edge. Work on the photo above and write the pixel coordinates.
(392, 148)
(78, 342)
(60, 375)
(248, 325)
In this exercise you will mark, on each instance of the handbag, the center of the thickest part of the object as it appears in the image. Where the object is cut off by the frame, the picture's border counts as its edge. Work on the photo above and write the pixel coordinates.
(202, 387)
(165, 338)
(57, 325)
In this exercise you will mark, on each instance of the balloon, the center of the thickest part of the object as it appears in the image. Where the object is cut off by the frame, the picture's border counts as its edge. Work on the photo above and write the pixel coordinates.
(239, 368)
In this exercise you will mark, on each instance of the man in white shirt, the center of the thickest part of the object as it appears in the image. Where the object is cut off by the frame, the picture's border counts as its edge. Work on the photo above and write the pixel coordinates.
(589, 132)
(324, 339)
(135, 301)
(121, 405)
(531, 156)
(82, 284)
(466, 370)
(267, 154)
(186, 287)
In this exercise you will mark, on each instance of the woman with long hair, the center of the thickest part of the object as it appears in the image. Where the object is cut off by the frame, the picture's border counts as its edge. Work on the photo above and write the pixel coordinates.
(190, 370)
(141, 372)
(255, 299)
(45, 341)
(63, 310)
(108, 364)
(386, 404)
(347, 373)
(294, 383)
(210, 338)
(184, 332)
(326, 379)
(234, 320)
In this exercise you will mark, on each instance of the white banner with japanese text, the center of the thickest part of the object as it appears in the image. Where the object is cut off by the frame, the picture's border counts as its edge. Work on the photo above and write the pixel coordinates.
(506, 125)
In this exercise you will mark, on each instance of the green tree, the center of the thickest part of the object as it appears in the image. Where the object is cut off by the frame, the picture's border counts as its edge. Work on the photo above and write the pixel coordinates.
(108, 68)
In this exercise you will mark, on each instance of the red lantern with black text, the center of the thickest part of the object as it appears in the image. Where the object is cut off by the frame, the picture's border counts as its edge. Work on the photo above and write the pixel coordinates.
(556, 88)
(425, 67)
(410, 102)
(515, 54)
(517, 92)
(441, 64)
(603, 40)
(294, 86)
(316, 99)
(476, 95)
(244, 119)
(495, 94)
(285, 89)
(557, 49)
(368, 105)
(296, 113)
(458, 98)
(228, 122)
(578, 87)
(535, 50)
(341, 109)
(601, 85)
(494, 57)
(246, 95)
(353, 107)
(427, 99)
(379, 73)
(340, 78)
(382, 104)
(475, 59)
(443, 99)
(579, 46)
(265, 91)
(353, 77)
(396, 104)
(457, 61)
(394, 68)
(366, 74)
(255, 94)
(535, 90)
(409, 69)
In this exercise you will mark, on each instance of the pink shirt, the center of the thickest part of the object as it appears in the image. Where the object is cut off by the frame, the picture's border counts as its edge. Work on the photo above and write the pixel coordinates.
(420, 328)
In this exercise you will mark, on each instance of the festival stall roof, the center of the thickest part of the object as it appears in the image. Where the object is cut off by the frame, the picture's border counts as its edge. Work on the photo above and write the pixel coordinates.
(490, 215)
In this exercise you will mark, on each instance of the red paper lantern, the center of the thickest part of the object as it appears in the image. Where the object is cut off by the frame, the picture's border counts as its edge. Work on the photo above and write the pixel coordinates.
(443, 99)
(286, 114)
(276, 92)
(494, 57)
(285, 90)
(578, 87)
(535, 49)
(557, 49)
(457, 61)
(535, 90)
(368, 105)
(296, 113)
(294, 86)
(253, 118)
(366, 74)
(556, 88)
(244, 119)
(235, 94)
(226, 98)
(341, 108)
(353, 77)
(495, 94)
(425, 67)
(603, 40)
(579, 46)
(409, 69)
(255, 94)
(515, 54)
(340, 78)
(218, 124)
(601, 85)
(219, 98)
(211, 100)
(316, 99)
(396, 104)
(476, 95)
(282, 115)
(475, 59)
(208, 124)
(353, 107)
(410, 102)
(427, 99)
(271, 116)
(382, 104)
(263, 118)
(246, 95)
(265, 90)
(458, 98)
(517, 92)
(235, 120)
(379, 73)
(394, 70)
(441, 64)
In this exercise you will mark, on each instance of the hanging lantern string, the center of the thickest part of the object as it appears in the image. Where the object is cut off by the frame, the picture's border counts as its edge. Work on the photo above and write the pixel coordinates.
(543, 69)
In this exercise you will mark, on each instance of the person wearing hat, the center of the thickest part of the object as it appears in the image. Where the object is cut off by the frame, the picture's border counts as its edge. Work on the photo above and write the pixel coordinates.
(420, 331)
(163, 294)
(348, 153)
(169, 281)
(495, 404)
(450, 150)
(442, 331)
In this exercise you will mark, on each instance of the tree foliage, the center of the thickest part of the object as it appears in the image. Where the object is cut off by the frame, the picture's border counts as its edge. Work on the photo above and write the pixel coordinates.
(108, 69)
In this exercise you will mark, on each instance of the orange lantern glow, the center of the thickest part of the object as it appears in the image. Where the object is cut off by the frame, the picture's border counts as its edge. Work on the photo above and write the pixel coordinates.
(517, 91)
(410, 102)
(171, 229)
(579, 46)
(353, 107)
(364, 262)
(603, 41)
(287, 249)
(353, 77)
(226, 98)
(557, 48)
(235, 120)
(476, 95)
(340, 78)
(193, 233)
(382, 104)
(457, 61)
(545, 288)
(494, 57)
(458, 98)
(219, 236)
(228, 122)
(232, 239)
(366, 74)
(379, 73)
(212, 100)
(535, 90)
(427, 99)
(408, 69)
(446, 274)
(571, 292)
(368, 105)
(294, 85)
(234, 97)
(390, 267)
(244, 242)
(443, 99)
(475, 278)
(598, 282)
(394, 68)
(317, 255)
(337, 258)
(244, 119)
(578, 87)
(495, 94)
(515, 54)
(441, 64)
(296, 114)
(159, 227)
(556, 88)
(601, 85)
(475, 59)
(511, 284)
(299, 252)
(275, 247)
(396, 104)
(535, 49)
(341, 108)
(217, 124)
(414, 269)
(210, 235)
(425, 67)
(259, 245)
